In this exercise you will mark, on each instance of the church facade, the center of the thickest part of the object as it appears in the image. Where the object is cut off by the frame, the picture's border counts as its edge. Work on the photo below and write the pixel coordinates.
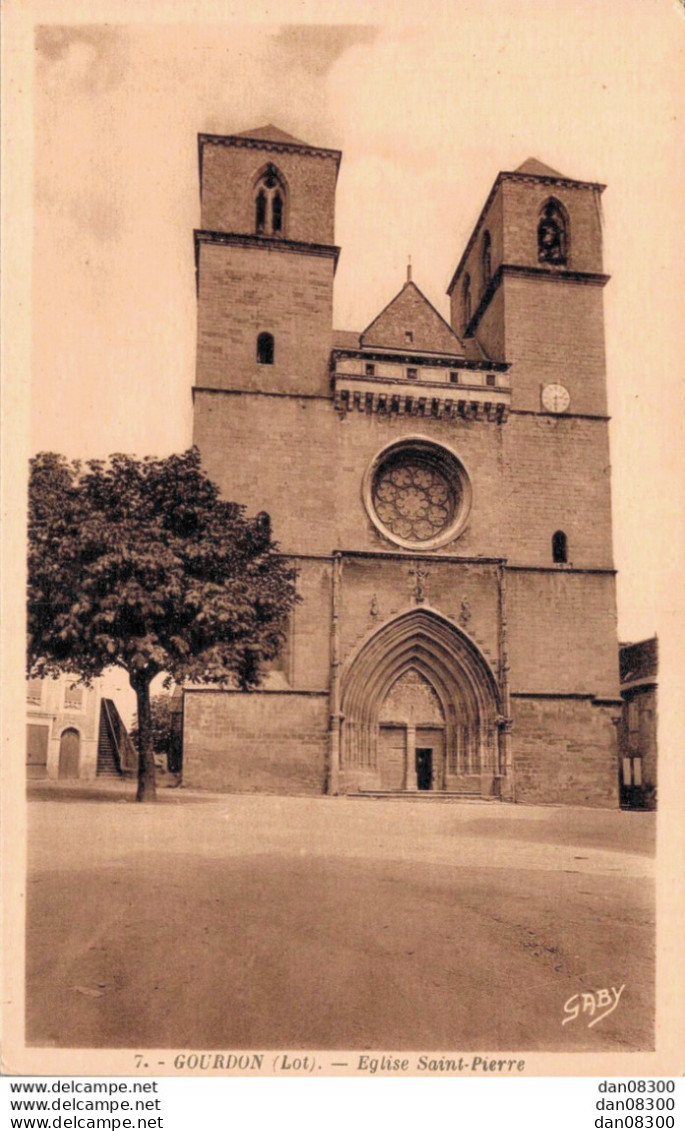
(443, 489)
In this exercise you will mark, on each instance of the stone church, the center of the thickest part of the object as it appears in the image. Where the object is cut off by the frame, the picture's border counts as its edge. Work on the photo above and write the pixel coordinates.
(442, 487)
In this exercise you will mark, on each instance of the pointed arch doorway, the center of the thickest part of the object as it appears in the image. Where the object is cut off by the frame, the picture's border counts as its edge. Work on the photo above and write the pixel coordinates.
(420, 711)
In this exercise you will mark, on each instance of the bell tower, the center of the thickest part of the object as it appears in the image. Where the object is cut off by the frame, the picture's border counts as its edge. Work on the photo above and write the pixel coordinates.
(529, 287)
(265, 260)
(528, 291)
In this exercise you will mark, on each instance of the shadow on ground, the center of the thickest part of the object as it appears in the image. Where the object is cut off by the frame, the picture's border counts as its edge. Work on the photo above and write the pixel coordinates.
(293, 923)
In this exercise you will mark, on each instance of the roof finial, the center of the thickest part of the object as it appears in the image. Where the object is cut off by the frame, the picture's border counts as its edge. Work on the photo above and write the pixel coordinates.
(409, 269)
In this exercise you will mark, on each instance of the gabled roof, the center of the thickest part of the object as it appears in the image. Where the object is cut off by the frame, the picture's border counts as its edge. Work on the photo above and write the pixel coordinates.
(474, 351)
(639, 661)
(536, 168)
(411, 311)
(272, 133)
(346, 339)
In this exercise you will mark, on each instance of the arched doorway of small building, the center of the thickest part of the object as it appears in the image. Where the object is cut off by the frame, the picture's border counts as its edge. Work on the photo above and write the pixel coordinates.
(69, 753)
(420, 711)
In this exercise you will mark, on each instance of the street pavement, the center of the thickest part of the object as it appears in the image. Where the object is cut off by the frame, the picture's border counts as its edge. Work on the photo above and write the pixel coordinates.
(250, 921)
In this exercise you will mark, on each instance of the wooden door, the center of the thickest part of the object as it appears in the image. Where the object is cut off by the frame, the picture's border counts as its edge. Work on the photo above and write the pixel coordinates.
(424, 767)
(69, 750)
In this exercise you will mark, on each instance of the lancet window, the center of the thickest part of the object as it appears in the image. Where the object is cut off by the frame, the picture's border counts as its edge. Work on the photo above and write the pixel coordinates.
(269, 203)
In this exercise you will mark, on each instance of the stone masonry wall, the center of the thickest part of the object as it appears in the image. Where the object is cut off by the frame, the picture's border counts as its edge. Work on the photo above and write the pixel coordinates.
(229, 176)
(558, 477)
(493, 222)
(274, 454)
(389, 582)
(311, 482)
(564, 752)
(310, 644)
(245, 291)
(554, 332)
(562, 633)
(523, 201)
(490, 332)
(255, 743)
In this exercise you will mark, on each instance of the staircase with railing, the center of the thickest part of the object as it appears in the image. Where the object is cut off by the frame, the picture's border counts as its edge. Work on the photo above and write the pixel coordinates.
(117, 755)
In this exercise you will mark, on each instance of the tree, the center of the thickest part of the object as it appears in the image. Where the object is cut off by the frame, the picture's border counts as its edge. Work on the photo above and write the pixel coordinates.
(140, 564)
(160, 725)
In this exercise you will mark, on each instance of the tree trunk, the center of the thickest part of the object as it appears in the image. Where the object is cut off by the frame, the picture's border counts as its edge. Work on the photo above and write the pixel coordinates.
(147, 783)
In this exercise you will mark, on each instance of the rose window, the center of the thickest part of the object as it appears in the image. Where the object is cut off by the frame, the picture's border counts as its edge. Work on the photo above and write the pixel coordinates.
(414, 498)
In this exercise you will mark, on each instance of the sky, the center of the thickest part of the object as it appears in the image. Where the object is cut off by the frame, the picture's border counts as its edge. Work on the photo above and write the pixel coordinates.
(427, 107)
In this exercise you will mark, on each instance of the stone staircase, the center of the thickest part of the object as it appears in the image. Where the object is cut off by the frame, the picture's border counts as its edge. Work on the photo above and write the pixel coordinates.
(108, 765)
(117, 756)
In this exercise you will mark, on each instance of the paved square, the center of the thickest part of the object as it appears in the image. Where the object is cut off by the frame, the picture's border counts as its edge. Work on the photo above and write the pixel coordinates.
(249, 921)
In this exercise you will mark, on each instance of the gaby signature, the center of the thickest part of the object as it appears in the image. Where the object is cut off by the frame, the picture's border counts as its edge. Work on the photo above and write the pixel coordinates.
(598, 1004)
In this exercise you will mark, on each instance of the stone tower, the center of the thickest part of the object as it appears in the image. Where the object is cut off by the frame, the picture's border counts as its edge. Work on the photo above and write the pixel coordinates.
(528, 288)
(265, 262)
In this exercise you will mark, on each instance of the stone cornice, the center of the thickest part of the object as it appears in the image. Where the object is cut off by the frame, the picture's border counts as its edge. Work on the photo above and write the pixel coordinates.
(424, 399)
(548, 179)
(235, 142)
(560, 415)
(527, 178)
(561, 568)
(647, 683)
(264, 243)
(217, 689)
(260, 393)
(416, 555)
(443, 360)
(597, 700)
(549, 274)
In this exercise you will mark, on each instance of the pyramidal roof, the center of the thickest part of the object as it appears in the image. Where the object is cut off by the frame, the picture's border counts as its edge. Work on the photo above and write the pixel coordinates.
(536, 168)
(410, 313)
(272, 133)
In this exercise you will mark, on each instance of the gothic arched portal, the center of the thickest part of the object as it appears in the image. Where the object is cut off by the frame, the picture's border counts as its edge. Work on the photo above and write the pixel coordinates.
(419, 664)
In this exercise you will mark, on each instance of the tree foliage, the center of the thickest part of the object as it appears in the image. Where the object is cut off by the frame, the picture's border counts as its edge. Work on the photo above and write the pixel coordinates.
(139, 563)
(161, 716)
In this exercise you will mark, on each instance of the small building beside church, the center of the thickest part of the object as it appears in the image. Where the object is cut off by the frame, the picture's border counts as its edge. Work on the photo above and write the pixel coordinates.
(442, 486)
(74, 732)
(639, 669)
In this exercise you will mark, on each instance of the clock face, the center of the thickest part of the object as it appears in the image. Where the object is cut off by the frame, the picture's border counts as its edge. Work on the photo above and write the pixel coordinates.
(555, 398)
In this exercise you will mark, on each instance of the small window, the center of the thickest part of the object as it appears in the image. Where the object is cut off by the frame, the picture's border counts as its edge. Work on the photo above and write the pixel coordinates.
(412, 374)
(370, 369)
(454, 377)
(262, 523)
(34, 690)
(73, 697)
(490, 380)
(559, 547)
(409, 336)
(265, 349)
